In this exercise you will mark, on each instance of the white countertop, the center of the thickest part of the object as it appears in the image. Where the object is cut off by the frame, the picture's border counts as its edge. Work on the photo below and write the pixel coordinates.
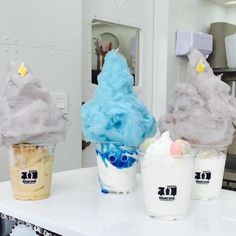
(76, 207)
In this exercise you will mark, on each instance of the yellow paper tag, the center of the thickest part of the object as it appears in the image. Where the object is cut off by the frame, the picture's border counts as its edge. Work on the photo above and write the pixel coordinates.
(200, 67)
(22, 70)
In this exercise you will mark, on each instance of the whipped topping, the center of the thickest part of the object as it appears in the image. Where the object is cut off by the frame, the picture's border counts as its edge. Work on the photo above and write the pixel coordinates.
(165, 146)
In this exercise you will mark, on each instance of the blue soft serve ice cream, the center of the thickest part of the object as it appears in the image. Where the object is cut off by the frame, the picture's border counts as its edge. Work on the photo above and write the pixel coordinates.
(116, 114)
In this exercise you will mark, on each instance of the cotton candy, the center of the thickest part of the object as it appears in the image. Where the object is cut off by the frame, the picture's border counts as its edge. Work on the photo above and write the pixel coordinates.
(27, 113)
(203, 112)
(116, 114)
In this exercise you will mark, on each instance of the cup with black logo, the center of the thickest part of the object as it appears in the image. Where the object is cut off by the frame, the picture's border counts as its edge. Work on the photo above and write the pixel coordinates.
(31, 170)
(167, 182)
(208, 171)
(117, 165)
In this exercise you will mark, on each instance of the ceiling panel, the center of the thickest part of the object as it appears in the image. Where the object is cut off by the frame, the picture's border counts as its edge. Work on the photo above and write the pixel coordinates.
(223, 2)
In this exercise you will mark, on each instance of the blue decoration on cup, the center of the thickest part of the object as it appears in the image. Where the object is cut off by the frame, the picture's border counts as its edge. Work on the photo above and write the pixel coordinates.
(118, 155)
(103, 190)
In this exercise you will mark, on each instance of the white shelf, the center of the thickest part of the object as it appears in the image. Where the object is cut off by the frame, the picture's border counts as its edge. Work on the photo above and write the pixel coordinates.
(76, 207)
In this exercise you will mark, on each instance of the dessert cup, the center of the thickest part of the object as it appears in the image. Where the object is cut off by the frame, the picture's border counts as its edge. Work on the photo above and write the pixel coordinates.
(116, 167)
(208, 171)
(31, 171)
(167, 182)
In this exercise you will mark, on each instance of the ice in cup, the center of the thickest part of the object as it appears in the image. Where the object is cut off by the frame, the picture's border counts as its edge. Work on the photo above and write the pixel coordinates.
(167, 172)
(208, 172)
(31, 171)
(116, 167)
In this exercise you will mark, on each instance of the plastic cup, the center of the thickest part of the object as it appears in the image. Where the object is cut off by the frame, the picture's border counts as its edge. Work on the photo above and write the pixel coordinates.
(31, 171)
(167, 182)
(208, 172)
(116, 167)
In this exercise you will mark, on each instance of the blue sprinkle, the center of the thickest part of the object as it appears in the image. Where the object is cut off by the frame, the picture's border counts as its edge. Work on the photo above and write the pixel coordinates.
(104, 191)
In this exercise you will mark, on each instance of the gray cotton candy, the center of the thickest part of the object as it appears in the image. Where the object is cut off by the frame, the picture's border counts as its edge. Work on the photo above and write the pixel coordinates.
(203, 112)
(27, 114)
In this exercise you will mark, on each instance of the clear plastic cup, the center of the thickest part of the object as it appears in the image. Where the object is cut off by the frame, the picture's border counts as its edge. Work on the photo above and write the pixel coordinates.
(116, 167)
(208, 171)
(167, 182)
(31, 171)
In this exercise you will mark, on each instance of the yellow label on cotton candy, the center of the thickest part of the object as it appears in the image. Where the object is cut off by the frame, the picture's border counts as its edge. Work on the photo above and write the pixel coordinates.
(22, 70)
(200, 67)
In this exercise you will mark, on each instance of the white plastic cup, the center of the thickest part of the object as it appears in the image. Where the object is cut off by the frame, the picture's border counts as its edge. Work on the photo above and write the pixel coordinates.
(208, 172)
(31, 171)
(116, 167)
(167, 182)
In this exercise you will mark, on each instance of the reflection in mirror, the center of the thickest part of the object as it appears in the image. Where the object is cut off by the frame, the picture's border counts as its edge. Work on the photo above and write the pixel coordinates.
(107, 36)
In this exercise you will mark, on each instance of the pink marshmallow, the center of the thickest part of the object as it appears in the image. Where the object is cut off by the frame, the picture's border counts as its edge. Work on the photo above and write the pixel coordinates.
(176, 149)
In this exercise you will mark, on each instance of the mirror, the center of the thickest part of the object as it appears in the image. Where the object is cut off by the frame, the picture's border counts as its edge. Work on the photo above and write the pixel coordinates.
(107, 36)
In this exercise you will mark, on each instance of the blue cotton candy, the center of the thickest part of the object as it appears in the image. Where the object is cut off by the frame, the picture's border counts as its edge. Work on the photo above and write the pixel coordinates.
(116, 114)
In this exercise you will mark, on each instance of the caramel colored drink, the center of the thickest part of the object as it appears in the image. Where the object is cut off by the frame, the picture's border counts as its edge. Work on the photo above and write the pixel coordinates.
(31, 171)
